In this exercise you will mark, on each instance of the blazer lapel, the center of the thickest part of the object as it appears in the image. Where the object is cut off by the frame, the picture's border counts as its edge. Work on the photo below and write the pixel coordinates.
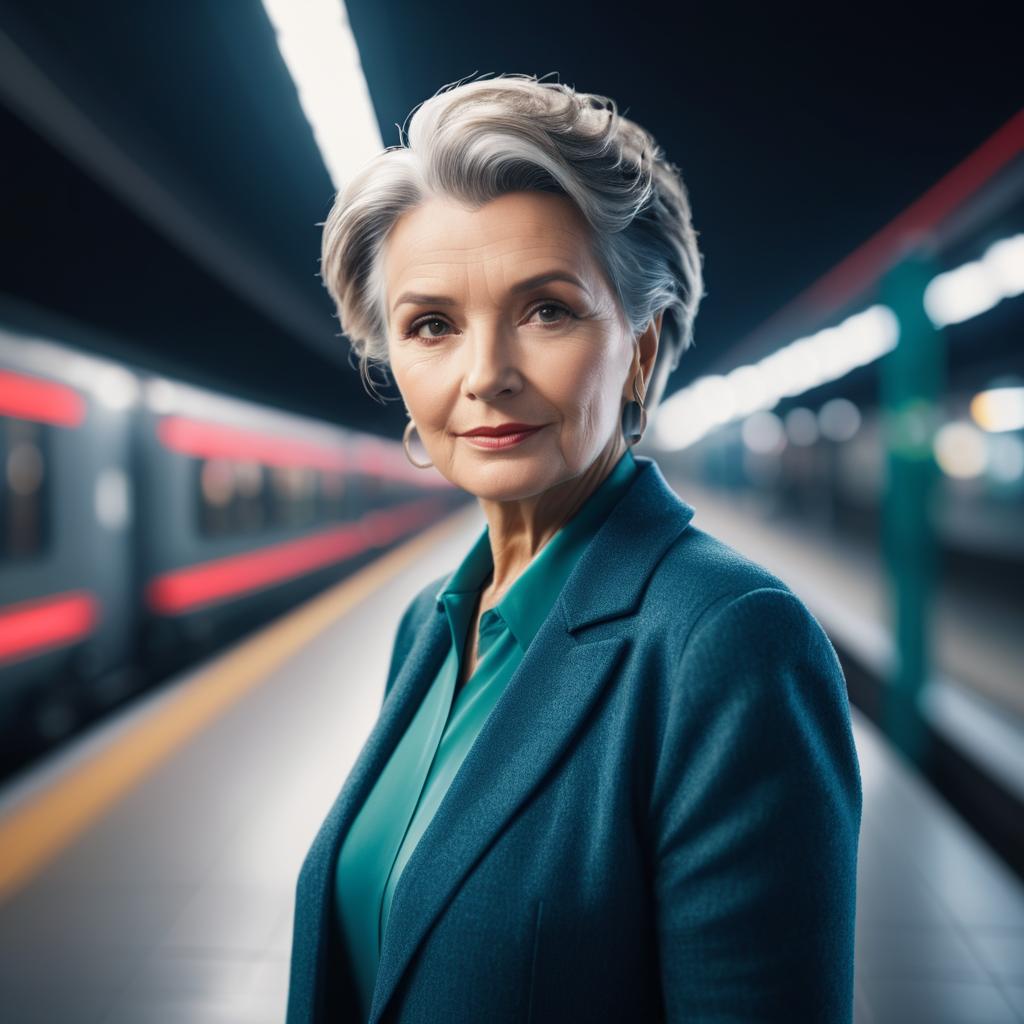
(545, 702)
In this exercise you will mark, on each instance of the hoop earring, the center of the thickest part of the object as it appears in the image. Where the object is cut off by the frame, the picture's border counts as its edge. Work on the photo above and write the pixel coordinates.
(409, 427)
(634, 415)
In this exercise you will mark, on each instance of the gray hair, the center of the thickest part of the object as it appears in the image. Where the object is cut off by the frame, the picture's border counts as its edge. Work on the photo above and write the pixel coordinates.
(476, 141)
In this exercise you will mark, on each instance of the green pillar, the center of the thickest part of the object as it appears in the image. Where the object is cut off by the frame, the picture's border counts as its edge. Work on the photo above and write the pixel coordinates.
(912, 384)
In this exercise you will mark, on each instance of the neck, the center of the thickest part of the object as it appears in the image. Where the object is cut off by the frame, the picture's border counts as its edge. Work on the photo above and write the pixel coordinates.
(519, 529)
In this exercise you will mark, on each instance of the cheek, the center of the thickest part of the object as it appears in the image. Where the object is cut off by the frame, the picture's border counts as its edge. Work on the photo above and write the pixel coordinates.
(422, 385)
(584, 386)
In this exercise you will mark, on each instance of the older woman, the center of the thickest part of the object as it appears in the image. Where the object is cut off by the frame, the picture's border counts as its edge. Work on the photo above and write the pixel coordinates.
(613, 778)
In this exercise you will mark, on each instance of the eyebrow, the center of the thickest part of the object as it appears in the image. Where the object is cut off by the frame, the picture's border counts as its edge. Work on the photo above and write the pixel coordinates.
(416, 298)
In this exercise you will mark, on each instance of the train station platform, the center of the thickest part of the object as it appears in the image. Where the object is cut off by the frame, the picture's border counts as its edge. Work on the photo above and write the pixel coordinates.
(148, 870)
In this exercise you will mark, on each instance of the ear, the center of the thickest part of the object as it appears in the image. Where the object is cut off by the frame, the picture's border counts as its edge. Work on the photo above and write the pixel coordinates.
(647, 345)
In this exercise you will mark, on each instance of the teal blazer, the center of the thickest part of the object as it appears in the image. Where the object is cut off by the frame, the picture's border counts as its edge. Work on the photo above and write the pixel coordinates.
(658, 821)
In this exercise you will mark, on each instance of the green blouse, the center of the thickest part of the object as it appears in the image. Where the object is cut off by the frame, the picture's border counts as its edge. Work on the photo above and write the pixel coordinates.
(412, 784)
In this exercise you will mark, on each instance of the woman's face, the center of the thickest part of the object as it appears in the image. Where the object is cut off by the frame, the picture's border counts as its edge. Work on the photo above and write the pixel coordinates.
(471, 346)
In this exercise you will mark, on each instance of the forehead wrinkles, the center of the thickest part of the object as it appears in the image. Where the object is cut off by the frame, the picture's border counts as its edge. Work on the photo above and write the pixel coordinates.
(441, 241)
(435, 255)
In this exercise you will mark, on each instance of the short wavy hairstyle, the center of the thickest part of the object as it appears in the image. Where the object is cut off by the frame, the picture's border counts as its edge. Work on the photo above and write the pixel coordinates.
(475, 141)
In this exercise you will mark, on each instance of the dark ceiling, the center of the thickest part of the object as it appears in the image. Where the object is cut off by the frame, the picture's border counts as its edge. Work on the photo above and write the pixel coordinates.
(162, 188)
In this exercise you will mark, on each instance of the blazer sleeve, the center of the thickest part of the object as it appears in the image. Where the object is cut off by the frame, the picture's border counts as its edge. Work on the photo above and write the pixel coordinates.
(756, 808)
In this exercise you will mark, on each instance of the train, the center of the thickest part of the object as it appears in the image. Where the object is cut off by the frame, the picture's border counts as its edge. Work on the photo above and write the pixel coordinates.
(146, 522)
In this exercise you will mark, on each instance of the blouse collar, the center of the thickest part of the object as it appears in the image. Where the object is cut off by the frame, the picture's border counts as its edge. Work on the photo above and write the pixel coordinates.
(525, 605)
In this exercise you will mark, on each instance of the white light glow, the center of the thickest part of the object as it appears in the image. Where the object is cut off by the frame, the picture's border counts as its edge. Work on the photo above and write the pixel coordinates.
(316, 42)
(975, 287)
(117, 389)
(829, 354)
(714, 399)
(1005, 260)
(961, 294)
(763, 433)
(801, 426)
(999, 409)
(838, 419)
(960, 450)
(112, 498)
(710, 401)
(161, 395)
(750, 389)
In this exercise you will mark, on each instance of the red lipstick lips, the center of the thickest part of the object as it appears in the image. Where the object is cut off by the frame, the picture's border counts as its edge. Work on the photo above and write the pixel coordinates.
(507, 435)
(501, 430)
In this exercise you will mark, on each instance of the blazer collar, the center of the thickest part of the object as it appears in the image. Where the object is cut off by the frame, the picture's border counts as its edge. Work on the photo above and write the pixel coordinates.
(558, 680)
(526, 604)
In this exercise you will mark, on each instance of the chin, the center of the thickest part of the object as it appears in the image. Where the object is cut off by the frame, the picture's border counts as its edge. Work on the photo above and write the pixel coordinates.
(508, 482)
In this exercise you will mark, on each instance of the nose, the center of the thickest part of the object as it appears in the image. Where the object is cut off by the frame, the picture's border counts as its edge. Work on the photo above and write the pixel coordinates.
(491, 362)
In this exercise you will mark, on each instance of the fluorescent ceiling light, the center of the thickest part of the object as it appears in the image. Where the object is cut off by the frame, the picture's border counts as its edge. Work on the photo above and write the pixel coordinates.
(709, 402)
(316, 42)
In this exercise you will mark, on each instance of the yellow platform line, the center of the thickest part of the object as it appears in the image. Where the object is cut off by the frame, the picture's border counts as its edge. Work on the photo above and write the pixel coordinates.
(36, 832)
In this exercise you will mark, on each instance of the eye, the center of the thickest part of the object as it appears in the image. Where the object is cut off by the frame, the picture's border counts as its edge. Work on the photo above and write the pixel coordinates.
(417, 324)
(433, 318)
(556, 305)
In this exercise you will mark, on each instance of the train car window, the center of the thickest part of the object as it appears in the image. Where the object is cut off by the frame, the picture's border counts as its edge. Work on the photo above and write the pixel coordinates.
(333, 494)
(233, 496)
(394, 490)
(293, 492)
(373, 489)
(251, 499)
(25, 488)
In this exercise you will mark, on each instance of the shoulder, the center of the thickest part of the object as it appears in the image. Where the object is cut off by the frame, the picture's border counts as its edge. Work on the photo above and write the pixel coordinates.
(705, 586)
(729, 629)
(742, 646)
(750, 675)
(714, 567)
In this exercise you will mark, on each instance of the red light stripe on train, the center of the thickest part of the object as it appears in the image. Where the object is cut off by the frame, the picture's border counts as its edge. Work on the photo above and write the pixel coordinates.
(43, 401)
(187, 589)
(203, 440)
(33, 626)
